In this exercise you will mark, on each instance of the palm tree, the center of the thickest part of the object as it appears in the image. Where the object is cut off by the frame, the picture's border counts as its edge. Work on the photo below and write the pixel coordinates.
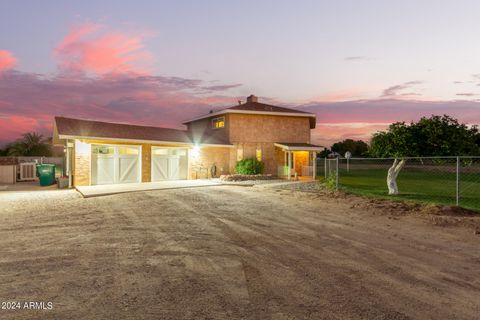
(32, 144)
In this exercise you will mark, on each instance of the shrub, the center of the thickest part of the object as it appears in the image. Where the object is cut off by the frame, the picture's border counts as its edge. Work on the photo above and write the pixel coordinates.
(331, 181)
(249, 166)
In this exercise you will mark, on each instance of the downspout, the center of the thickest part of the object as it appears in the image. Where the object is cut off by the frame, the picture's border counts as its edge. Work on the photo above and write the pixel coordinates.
(289, 155)
(69, 162)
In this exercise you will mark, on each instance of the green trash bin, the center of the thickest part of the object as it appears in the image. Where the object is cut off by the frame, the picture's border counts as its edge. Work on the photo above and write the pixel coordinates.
(46, 174)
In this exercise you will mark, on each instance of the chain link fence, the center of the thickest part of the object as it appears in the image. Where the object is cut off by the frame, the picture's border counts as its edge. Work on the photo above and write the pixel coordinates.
(440, 180)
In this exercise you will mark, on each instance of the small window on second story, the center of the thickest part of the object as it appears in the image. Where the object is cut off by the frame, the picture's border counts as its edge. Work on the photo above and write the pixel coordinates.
(218, 123)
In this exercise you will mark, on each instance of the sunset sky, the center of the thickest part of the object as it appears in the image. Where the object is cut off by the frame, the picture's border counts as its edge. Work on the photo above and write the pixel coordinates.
(358, 65)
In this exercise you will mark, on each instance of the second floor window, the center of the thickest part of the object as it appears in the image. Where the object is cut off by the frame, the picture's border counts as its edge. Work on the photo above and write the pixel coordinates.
(218, 123)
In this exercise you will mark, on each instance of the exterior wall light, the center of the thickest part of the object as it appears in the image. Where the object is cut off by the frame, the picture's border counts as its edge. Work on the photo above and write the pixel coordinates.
(82, 148)
(195, 152)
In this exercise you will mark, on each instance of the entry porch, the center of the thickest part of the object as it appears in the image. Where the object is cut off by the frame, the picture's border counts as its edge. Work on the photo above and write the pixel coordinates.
(297, 160)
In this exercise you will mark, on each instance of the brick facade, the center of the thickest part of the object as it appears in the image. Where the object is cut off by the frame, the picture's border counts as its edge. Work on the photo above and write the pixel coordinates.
(201, 165)
(81, 164)
(249, 133)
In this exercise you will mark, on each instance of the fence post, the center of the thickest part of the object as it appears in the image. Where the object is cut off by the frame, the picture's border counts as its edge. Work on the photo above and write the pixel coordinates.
(336, 182)
(326, 175)
(457, 185)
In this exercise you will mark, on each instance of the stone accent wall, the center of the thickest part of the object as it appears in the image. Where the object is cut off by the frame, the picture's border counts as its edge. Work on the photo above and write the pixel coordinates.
(81, 164)
(200, 165)
(146, 162)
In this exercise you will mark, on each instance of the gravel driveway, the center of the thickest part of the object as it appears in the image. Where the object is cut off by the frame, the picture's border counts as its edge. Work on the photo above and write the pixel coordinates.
(230, 252)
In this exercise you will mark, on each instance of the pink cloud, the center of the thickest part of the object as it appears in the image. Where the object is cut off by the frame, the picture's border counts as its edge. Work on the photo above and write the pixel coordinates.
(130, 98)
(327, 134)
(14, 126)
(359, 119)
(93, 48)
(7, 60)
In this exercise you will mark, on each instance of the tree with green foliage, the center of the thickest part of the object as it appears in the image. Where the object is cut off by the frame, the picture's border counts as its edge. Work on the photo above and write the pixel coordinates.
(358, 148)
(249, 166)
(429, 137)
(31, 144)
(324, 153)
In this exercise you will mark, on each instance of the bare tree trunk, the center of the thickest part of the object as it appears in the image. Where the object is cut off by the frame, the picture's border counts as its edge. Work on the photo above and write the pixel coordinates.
(392, 176)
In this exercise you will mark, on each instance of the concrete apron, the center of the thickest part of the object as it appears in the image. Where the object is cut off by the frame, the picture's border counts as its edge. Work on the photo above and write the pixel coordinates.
(103, 190)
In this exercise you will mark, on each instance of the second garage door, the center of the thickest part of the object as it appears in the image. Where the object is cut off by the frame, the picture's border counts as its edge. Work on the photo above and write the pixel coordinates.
(169, 164)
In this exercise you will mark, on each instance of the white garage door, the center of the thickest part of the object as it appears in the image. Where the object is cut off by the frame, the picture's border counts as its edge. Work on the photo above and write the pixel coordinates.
(115, 164)
(169, 164)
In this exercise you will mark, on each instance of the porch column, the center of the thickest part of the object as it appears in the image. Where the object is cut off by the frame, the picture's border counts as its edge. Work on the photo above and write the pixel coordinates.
(289, 155)
(314, 164)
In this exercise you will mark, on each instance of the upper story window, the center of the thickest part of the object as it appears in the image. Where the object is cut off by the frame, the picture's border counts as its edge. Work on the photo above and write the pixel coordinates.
(218, 123)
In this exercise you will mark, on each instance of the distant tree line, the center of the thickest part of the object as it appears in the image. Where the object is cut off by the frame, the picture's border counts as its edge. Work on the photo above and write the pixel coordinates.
(430, 136)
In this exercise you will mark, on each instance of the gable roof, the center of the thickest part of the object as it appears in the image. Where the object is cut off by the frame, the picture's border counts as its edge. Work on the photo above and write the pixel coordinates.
(254, 107)
(69, 128)
(263, 107)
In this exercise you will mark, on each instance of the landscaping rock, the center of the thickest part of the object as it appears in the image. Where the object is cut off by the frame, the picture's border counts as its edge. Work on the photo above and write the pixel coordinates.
(244, 177)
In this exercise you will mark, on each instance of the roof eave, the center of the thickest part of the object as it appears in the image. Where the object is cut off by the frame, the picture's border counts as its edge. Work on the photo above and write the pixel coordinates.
(287, 114)
(166, 142)
(299, 148)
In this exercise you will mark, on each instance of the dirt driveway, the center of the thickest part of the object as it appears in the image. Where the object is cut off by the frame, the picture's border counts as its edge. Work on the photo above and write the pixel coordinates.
(230, 253)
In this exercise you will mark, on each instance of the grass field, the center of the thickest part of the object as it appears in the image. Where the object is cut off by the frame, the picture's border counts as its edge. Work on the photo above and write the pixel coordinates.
(414, 185)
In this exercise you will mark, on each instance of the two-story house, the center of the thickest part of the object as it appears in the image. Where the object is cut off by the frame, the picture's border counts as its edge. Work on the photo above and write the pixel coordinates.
(109, 153)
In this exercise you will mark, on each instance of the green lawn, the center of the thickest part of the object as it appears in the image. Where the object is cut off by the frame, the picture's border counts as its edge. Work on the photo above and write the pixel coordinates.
(414, 185)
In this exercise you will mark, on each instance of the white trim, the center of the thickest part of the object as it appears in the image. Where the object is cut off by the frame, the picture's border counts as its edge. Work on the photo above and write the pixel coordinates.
(289, 148)
(225, 111)
(186, 144)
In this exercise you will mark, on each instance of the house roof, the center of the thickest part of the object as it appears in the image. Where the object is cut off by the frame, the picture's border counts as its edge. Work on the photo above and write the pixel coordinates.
(293, 146)
(257, 106)
(252, 106)
(69, 128)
